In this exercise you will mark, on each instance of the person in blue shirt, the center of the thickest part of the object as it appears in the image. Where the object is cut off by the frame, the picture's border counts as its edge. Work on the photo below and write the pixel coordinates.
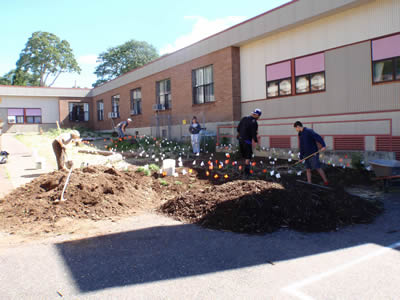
(308, 145)
(247, 133)
(121, 127)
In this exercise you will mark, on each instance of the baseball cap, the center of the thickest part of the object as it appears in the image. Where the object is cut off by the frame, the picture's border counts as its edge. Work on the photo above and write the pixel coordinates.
(75, 133)
(129, 120)
(257, 111)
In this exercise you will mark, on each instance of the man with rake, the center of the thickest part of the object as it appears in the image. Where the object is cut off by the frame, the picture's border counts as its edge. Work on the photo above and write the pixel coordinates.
(309, 150)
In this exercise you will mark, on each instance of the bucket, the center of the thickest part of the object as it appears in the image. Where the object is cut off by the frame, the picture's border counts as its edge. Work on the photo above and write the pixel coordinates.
(169, 166)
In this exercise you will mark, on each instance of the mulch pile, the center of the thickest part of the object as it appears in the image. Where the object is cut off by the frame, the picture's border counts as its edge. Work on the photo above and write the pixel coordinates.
(250, 206)
(260, 207)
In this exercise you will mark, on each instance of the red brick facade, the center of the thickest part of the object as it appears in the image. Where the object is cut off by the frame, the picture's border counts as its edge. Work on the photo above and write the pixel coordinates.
(225, 108)
(64, 112)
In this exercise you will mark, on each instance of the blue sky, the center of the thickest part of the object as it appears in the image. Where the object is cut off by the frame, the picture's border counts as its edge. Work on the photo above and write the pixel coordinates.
(93, 26)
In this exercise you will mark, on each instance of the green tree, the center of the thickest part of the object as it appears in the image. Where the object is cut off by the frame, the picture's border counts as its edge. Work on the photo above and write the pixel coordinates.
(45, 57)
(122, 59)
(19, 77)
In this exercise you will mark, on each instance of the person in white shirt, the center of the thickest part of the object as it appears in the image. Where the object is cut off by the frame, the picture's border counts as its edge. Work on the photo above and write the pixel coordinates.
(59, 146)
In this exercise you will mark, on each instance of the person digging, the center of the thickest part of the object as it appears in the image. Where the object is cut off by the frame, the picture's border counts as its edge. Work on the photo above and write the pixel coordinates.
(309, 147)
(247, 133)
(59, 148)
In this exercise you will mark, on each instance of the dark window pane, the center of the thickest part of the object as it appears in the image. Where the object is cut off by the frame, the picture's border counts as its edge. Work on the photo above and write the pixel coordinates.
(383, 70)
(398, 68)
(20, 119)
(302, 84)
(273, 89)
(318, 82)
(30, 120)
(285, 87)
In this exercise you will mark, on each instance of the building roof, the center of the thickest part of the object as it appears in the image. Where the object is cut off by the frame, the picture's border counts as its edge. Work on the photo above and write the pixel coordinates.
(282, 18)
(11, 90)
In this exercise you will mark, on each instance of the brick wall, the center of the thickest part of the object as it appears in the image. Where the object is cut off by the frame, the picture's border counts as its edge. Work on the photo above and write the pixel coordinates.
(64, 112)
(226, 108)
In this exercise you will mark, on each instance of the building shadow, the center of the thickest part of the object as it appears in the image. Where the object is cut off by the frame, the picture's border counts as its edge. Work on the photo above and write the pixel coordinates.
(178, 251)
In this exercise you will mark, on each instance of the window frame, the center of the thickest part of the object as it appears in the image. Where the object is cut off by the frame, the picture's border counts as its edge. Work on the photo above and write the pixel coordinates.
(209, 98)
(395, 77)
(100, 112)
(309, 77)
(24, 116)
(166, 93)
(136, 103)
(115, 108)
(86, 114)
(279, 81)
(293, 78)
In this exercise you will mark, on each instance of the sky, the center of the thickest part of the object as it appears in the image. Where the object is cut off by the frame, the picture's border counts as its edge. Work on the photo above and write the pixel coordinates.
(93, 26)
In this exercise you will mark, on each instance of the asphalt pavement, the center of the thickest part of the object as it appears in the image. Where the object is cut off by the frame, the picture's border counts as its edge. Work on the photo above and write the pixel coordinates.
(153, 257)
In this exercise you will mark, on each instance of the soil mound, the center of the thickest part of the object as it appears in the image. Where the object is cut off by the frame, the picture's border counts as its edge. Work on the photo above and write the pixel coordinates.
(259, 207)
(94, 192)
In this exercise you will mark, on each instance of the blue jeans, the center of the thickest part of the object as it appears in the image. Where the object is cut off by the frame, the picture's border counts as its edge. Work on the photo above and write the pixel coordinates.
(195, 143)
(121, 134)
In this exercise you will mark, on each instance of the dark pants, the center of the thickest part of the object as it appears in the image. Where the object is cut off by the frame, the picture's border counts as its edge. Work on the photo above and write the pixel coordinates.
(60, 154)
(246, 149)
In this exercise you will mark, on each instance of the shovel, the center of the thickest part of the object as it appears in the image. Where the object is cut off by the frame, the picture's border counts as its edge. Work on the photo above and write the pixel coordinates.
(300, 161)
(65, 186)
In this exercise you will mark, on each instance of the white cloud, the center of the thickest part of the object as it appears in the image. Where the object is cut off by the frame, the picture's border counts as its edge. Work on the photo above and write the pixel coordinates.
(202, 28)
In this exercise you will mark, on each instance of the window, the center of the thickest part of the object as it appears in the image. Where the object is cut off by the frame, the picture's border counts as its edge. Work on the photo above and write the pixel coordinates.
(33, 115)
(24, 116)
(115, 105)
(16, 115)
(386, 59)
(100, 110)
(163, 90)
(279, 79)
(78, 112)
(136, 101)
(203, 85)
(310, 73)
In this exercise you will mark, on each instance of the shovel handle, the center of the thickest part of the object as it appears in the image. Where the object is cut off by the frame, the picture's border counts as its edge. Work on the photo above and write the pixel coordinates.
(300, 161)
(65, 185)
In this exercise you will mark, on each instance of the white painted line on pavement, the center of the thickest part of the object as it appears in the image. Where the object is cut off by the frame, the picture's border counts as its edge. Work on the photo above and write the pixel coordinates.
(293, 288)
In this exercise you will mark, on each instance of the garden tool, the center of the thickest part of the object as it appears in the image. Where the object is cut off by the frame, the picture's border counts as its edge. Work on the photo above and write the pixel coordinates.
(65, 186)
(69, 163)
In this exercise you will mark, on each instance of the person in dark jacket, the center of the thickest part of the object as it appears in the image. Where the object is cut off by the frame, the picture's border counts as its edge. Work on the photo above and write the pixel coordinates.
(308, 145)
(247, 133)
(195, 129)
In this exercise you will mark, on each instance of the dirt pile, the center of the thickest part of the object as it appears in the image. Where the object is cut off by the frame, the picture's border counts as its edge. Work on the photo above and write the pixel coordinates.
(228, 203)
(92, 193)
(257, 206)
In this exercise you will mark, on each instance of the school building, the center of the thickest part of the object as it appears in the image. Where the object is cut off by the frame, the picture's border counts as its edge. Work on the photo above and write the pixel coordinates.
(332, 64)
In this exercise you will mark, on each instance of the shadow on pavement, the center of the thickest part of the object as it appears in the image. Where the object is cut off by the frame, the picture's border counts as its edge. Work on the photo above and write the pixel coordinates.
(178, 251)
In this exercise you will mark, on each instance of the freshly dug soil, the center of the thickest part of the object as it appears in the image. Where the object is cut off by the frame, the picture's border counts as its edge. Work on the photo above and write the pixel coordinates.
(251, 206)
(92, 193)
(257, 206)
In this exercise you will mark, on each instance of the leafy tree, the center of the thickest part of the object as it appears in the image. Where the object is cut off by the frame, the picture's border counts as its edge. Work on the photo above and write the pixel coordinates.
(122, 59)
(19, 77)
(46, 56)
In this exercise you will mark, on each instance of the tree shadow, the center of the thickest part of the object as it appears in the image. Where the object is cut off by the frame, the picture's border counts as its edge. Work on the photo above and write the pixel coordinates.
(179, 251)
